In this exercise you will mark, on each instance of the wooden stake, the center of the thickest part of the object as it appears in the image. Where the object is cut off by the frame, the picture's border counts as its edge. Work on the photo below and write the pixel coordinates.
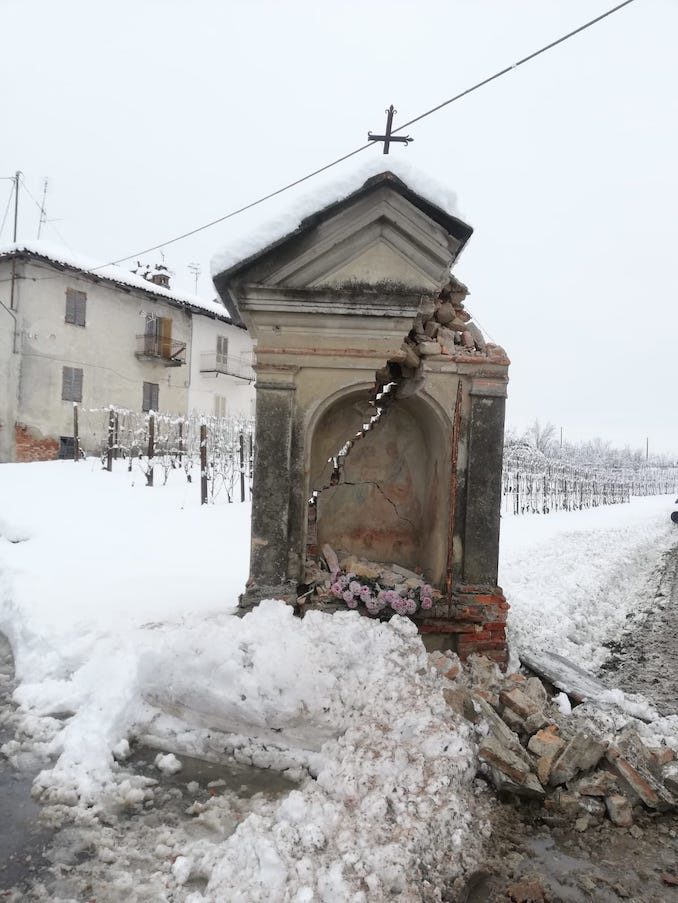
(111, 431)
(203, 464)
(242, 468)
(151, 447)
(76, 437)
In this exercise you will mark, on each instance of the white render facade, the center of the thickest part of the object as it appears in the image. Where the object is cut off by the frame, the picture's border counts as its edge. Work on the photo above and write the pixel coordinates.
(70, 334)
(222, 378)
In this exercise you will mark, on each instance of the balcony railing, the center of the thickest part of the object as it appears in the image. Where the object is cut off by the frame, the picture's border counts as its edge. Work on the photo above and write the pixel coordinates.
(171, 352)
(231, 365)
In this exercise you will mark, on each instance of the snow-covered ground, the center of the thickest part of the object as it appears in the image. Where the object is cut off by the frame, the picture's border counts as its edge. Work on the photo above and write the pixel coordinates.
(118, 601)
(574, 579)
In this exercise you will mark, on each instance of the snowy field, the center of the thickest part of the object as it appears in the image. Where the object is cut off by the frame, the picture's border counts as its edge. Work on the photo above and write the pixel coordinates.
(118, 602)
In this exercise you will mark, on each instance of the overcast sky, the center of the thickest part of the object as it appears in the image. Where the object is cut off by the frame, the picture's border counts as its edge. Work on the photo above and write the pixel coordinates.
(150, 117)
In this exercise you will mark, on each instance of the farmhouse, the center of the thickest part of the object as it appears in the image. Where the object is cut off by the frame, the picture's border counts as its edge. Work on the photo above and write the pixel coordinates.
(74, 332)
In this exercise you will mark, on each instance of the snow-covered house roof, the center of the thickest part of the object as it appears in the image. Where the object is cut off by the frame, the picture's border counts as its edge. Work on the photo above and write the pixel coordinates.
(423, 191)
(59, 258)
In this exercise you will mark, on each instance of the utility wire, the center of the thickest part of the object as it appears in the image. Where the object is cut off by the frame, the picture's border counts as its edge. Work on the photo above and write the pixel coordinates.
(507, 69)
(465, 93)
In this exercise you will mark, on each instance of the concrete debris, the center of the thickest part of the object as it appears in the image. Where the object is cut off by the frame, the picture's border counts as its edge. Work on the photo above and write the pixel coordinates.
(581, 777)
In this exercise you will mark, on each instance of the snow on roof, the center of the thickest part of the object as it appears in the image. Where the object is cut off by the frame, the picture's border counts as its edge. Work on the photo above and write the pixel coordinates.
(270, 229)
(55, 253)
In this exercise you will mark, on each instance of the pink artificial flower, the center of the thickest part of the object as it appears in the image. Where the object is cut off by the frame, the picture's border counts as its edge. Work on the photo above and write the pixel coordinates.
(352, 602)
(410, 606)
(365, 594)
(354, 586)
(391, 598)
(426, 590)
(426, 602)
(347, 596)
(337, 589)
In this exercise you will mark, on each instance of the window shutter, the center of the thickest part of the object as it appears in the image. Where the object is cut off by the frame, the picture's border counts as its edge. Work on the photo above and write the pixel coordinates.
(76, 307)
(166, 337)
(77, 384)
(71, 384)
(150, 397)
(222, 349)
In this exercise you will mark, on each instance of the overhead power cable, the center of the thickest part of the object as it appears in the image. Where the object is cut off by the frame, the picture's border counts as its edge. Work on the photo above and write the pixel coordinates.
(310, 175)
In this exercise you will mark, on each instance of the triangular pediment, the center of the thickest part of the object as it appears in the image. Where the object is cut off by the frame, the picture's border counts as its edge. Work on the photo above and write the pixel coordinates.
(382, 235)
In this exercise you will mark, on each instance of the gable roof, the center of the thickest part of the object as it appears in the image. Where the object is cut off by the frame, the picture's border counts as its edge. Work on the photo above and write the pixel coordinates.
(433, 199)
(59, 258)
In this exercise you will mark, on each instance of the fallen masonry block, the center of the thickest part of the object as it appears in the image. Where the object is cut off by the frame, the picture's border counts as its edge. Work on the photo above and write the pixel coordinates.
(515, 722)
(503, 734)
(619, 810)
(546, 742)
(518, 702)
(661, 755)
(572, 805)
(600, 783)
(670, 778)
(581, 753)
(639, 782)
(447, 663)
(579, 684)
(536, 722)
(544, 767)
(461, 702)
(530, 789)
(534, 688)
(495, 754)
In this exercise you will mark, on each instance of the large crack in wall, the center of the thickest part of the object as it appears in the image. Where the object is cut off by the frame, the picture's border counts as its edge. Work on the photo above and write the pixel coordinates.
(441, 328)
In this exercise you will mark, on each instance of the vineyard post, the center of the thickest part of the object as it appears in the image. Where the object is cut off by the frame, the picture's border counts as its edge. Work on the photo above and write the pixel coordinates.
(76, 437)
(151, 447)
(203, 464)
(111, 430)
(242, 468)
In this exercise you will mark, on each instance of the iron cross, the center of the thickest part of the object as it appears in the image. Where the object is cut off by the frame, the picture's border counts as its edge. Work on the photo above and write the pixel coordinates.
(388, 137)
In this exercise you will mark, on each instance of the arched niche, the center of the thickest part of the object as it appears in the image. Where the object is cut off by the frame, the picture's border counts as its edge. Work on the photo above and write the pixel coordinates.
(393, 499)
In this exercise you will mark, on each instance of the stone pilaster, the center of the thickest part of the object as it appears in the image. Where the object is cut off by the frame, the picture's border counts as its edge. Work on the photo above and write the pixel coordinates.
(271, 489)
(483, 488)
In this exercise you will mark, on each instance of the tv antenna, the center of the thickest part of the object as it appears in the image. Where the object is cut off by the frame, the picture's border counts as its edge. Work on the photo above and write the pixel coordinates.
(195, 269)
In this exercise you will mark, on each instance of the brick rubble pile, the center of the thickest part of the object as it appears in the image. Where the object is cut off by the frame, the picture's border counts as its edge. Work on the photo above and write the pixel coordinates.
(529, 749)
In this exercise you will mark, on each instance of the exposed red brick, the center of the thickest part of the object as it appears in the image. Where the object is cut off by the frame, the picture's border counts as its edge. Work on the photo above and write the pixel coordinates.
(31, 446)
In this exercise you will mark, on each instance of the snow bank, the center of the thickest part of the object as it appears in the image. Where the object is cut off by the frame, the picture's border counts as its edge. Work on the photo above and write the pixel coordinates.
(119, 609)
(266, 229)
(574, 579)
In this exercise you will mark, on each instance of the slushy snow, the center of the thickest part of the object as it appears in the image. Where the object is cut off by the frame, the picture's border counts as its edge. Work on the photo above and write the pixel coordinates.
(119, 599)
